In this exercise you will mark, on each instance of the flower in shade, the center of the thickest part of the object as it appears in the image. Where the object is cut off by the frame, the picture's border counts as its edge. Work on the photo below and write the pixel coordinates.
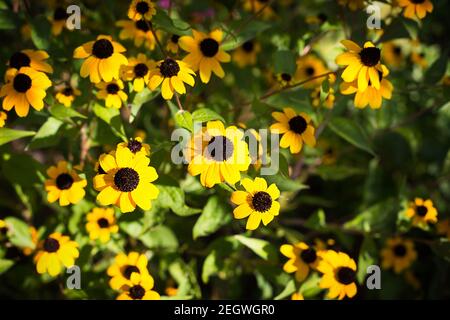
(419, 59)
(285, 79)
(138, 71)
(339, 274)
(261, 6)
(67, 95)
(416, 8)
(247, 53)
(141, 9)
(328, 102)
(24, 87)
(103, 59)
(295, 128)
(64, 184)
(393, 54)
(101, 224)
(310, 66)
(172, 43)
(217, 154)
(126, 181)
(60, 16)
(139, 31)
(3, 117)
(54, 253)
(257, 202)
(443, 228)
(352, 4)
(30, 58)
(139, 289)
(112, 92)
(422, 212)
(302, 259)
(362, 64)
(136, 146)
(124, 266)
(398, 254)
(171, 75)
(205, 53)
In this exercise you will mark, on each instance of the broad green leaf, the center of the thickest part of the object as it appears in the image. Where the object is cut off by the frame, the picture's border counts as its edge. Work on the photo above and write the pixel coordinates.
(7, 20)
(340, 172)
(8, 135)
(205, 115)
(139, 100)
(284, 62)
(287, 291)
(159, 237)
(112, 117)
(19, 233)
(183, 119)
(367, 256)
(249, 32)
(5, 264)
(437, 70)
(316, 221)
(215, 214)
(173, 198)
(219, 252)
(21, 169)
(310, 287)
(175, 26)
(47, 135)
(63, 113)
(40, 31)
(349, 130)
(262, 248)
(285, 183)
(186, 276)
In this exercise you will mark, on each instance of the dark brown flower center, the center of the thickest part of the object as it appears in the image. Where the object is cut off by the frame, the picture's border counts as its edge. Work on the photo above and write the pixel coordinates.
(397, 51)
(18, 60)
(67, 91)
(22, 83)
(102, 49)
(310, 71)
(399, 250)
(142, 25)
(322, 17)
(209, 47)
(248, 46)
(64, 181)
(60, 14)
(417, 1)
(142, 7)
(51, 245)
(112, 88)
(345, 275)
(220, 148)
(169, 68)
(137, 292)
(126, 179)
(286, 77)
(174, 38)
(261, 201)
(309, 255)
(421, 211)
(298, 124)
(129, 270)
(134, 146)
(370, 56)
(103, 223)
(140, 70)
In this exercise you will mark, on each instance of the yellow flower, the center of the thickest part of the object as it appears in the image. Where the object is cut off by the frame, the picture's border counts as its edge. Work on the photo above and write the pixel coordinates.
(217, 154)
(101, 223)
(329, 99)
(3, 117)
(352, 4)
(64, 184)
(205, 53)
(393, 54)
(34, 239)
(419, 59)
(339, 274)
(307, 67)
(257, 202)
(3, 227)
(172, 43)
(247, 53)
(103, 59)
(398, 254)
(60, 16)
(302, 259)
(317, 19)
(124, 266)
(67, 95)
(295, 128)
(416, 8)
(285, 79)
(297, 296)
(255, 6)
(55, 252)
(141, 9)
(443, 228)
(139, 31)
(171, 74)
(135, 146)
(171, 291)
(422, 212)
(138, 71)
(329, 152)
(127, 181)
(112, 92)
(30, 58)
(24, 87)
(139, 289)
(362, 64)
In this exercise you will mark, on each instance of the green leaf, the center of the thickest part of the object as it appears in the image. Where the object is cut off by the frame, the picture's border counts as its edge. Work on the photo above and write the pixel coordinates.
(40, 31)
(19, 233)
(112, 117)
(47, 135)
(21, 169)
(217, 259)
(262, 248)
(316, 221)
(442, 249)
(215, 215)
(249, 32)
(8, 135)
(367, 256)
(352, 132)
(341, 172)
(205, 115)
(285, 183)
(175, 26)
(139, 100)
(287, 291)
(172, 197)
(63, 113)
(183, 119)
(310, 287)
(159, 237)
(437, 70)
(5, 264)
(284, 62)
(7, 20)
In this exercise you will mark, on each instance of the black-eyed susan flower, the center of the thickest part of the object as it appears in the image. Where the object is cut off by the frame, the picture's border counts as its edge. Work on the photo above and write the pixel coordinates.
(3, 118)
(352, 4)
(54, 253)
(393, 54)
(139, 31)
(328, 102)
(127, 181)
(295, 128)
(247, 53)
(138, 71)
(60, 16)
(141, 9)
(101, 224)
(64, 184)
(136, 146)
(285, 79)
(34, 239)
(302, 259)
(422, 212)
(262, 6)
(171, 75)
(172, 43)
(139, 289)
(30, 58)
(310, 66)
(205, 53)
(443, 228)
(339, 274)
(398, 254)
(257, 202)
(103, 59)
(24, 87)
(418, 57)
(416, 8)
(112, 92)
(67, 94)
(124, 266)
(362, 64)
(297, 296)
(217, 154)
